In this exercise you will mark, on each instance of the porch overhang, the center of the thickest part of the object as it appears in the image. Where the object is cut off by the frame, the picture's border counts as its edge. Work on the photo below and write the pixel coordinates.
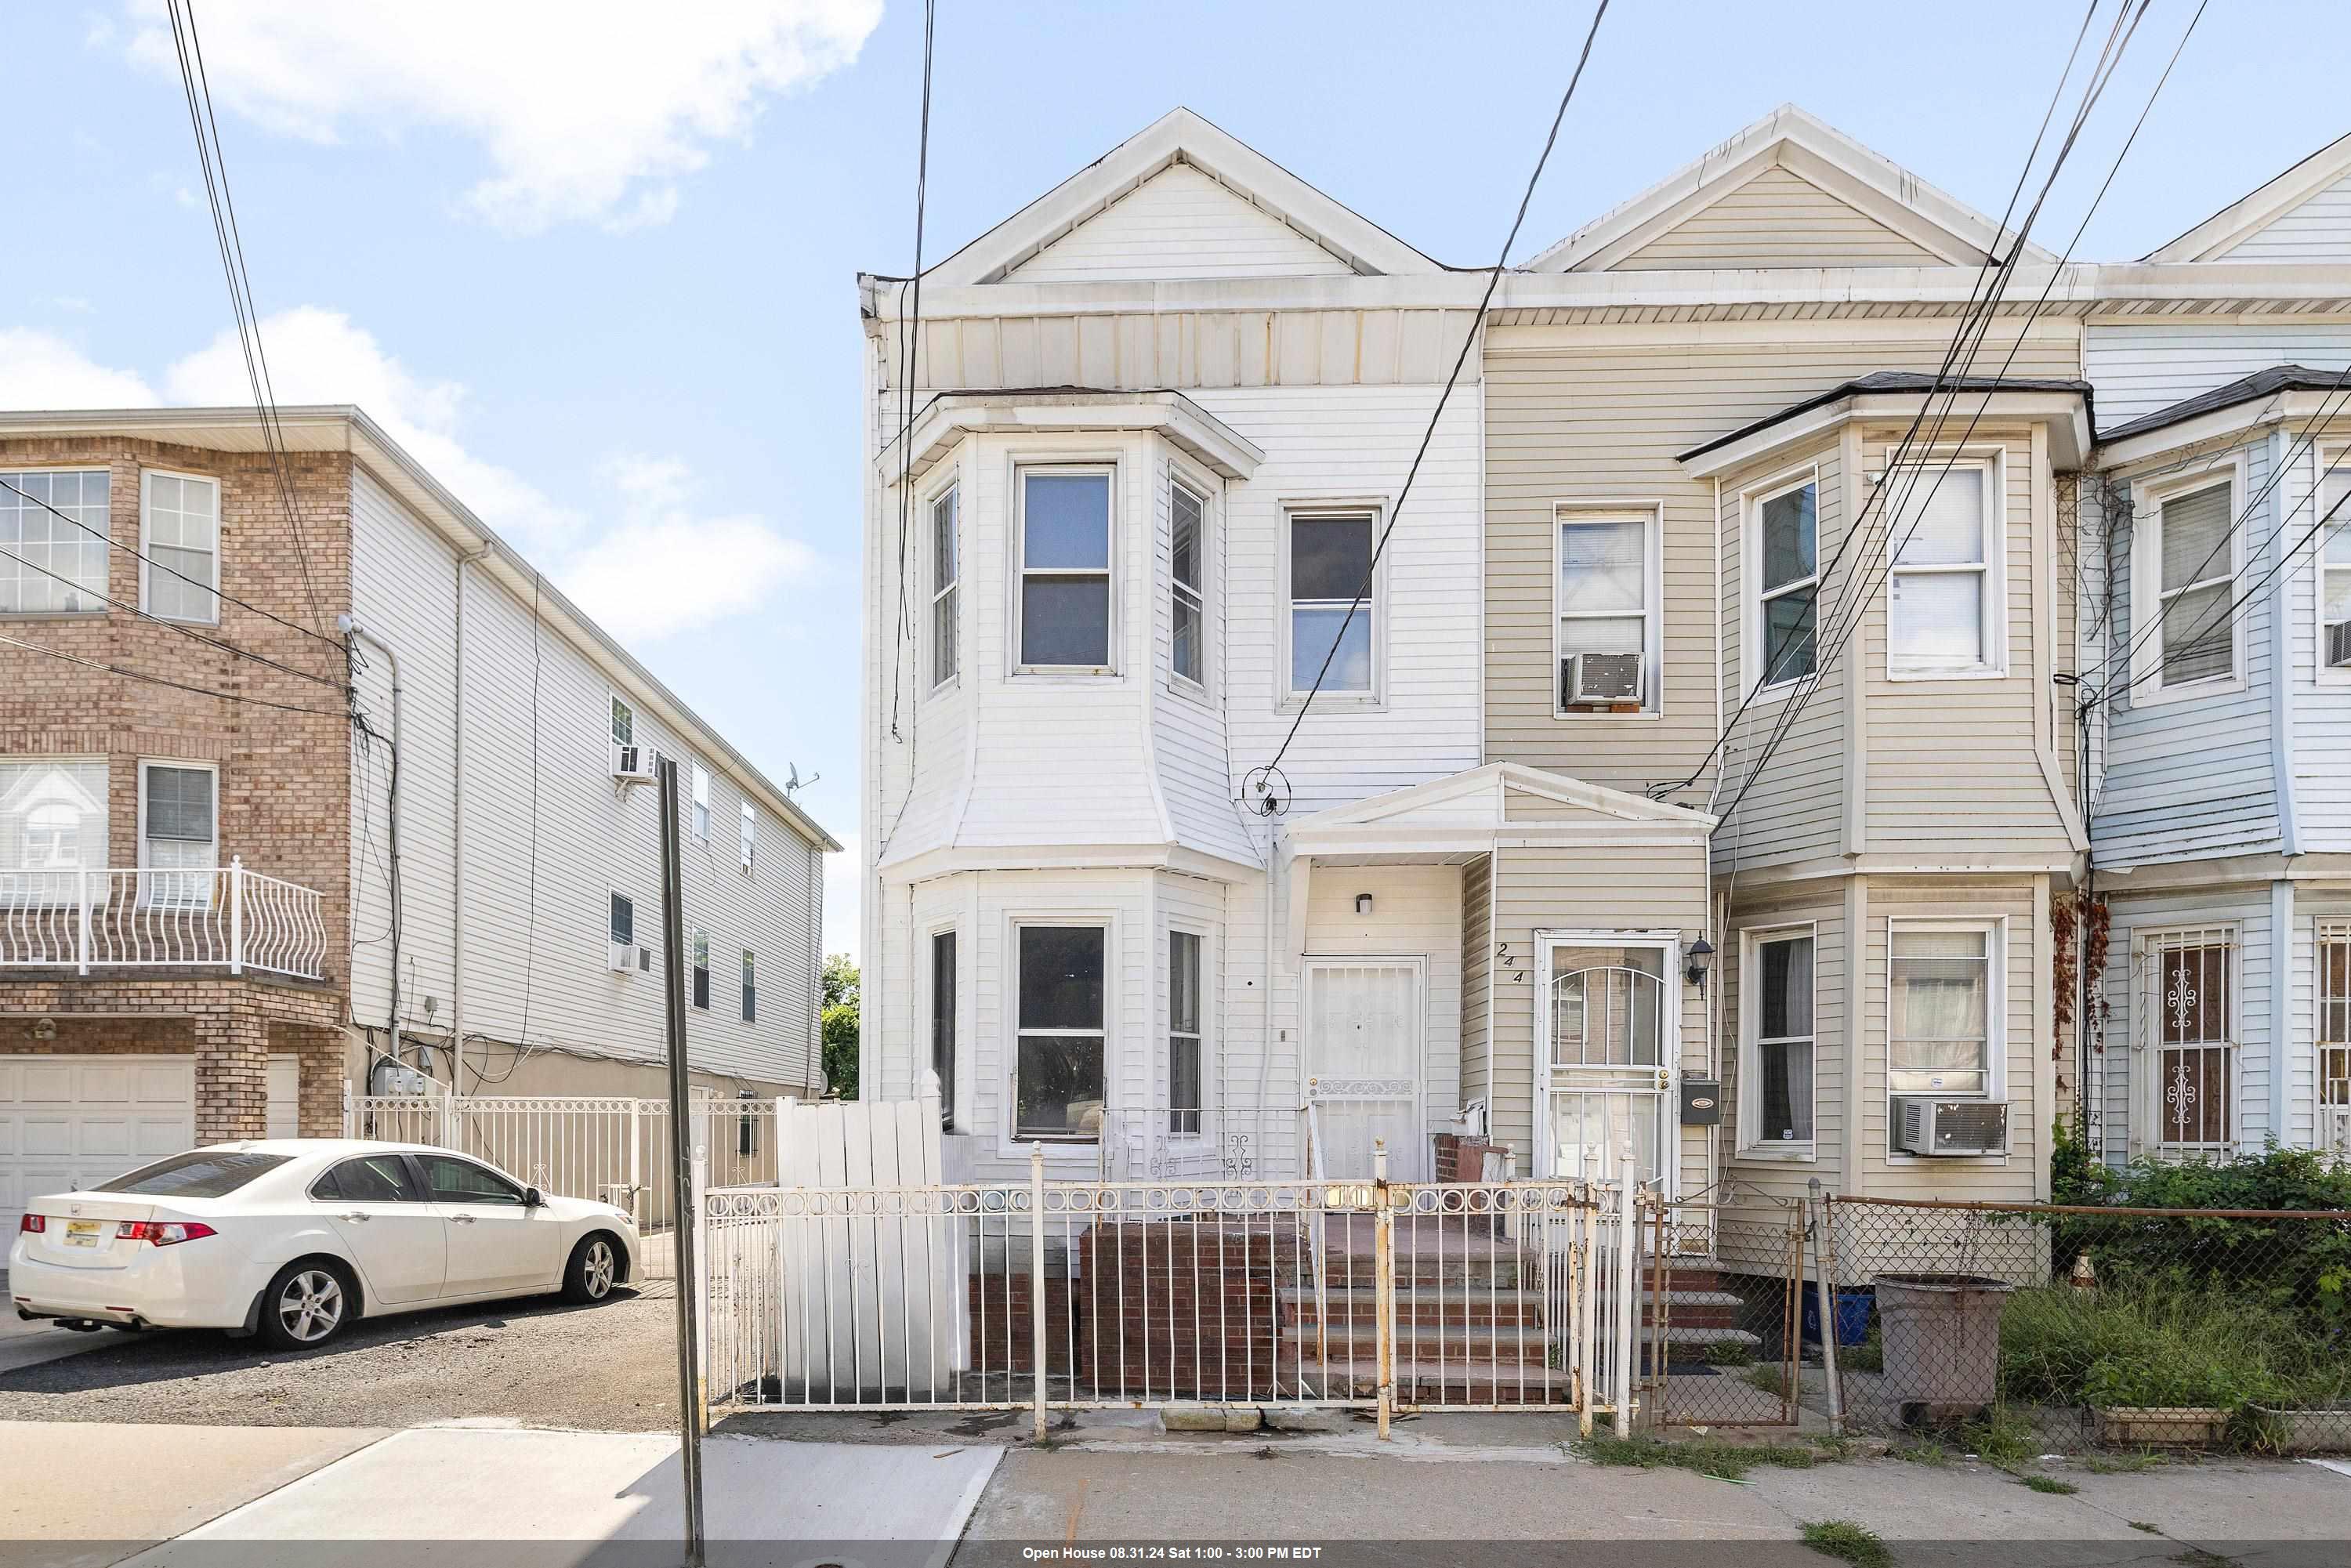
(1454, 820)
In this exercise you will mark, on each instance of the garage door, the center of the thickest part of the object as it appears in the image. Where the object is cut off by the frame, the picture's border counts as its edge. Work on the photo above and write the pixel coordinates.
(71, 1121)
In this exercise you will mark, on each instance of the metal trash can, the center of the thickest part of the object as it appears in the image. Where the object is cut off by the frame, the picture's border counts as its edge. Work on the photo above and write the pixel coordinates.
(1942, 1339)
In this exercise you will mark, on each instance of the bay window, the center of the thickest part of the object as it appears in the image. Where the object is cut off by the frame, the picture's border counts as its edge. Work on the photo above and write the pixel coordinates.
(2335, 568)
(1785, 559)
(1059, 1077)
(179, 537)
(1606, 608)
(1330, 569)
(53, 542)
(2185, 559)
(1940, 1017)
(1776, 1104)
(943, 1022)
(1187, 653)
(1942, 605)
(946, 585)
(1064, 534)
(1183, 1032)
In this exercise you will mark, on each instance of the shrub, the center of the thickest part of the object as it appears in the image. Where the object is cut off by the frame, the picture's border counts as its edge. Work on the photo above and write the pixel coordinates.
(1854, 1543)
(2152, 1342)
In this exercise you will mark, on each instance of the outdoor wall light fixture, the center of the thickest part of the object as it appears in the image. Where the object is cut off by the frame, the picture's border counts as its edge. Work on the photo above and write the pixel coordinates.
(1699, 956)
(1363, 903)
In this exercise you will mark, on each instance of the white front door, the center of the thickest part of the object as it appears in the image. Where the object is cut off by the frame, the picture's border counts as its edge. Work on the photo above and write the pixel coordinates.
(1363, 1066)
(1606, 1022)
(69, 1123)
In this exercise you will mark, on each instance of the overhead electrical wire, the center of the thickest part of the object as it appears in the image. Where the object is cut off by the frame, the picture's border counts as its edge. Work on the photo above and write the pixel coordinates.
(1261, 777)
(910, 329)
(161, 681)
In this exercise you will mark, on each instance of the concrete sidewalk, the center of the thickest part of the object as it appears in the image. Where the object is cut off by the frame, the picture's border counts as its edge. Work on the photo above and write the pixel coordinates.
(88, 1496)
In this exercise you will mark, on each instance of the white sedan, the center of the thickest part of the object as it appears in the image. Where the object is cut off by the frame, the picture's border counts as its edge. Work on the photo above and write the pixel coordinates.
(293, 1238)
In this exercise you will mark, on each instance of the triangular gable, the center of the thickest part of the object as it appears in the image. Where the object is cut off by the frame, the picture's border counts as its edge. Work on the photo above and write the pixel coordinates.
(1490, 795)
(1788, 190)
(1179, 138)
(1180, 222)
(2304, 215)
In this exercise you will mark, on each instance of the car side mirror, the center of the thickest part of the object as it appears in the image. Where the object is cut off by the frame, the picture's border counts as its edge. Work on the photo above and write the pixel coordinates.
(531, 1198)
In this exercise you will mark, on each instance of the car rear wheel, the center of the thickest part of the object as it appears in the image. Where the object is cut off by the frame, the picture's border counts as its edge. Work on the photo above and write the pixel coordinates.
(595, 1265)
(306, 1305)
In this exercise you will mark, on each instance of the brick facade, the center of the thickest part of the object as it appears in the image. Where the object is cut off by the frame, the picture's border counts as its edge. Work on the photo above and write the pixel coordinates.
(284, 782)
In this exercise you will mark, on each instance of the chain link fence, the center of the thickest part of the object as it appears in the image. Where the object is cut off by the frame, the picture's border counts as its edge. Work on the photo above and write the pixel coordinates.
(1723, 1319)
(2026, 1329)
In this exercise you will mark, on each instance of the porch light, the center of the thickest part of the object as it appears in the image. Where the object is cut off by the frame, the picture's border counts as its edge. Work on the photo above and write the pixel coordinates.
(1363, 903)
(1699, 956)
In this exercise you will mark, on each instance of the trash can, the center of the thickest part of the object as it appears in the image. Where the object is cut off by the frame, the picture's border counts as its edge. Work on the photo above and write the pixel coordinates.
(1942, 1339)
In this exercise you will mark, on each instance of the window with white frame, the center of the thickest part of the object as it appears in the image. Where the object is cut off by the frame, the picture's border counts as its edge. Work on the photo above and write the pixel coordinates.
(1331, 605)
(2335, 565)
(1941, 1022)
(700, 958)
(52, 826)
(622, 928)
(2186, 581)
(1058, 1071)
(179, 536)
(943, 1022)
(1776, 1105)
(178, 831)
(1064, 533)
(701, 806)
(746, 836)
(624, 724)
(1183, 1102)
(946, 579)
(750, 987)
(2335, 1033)
(1187, 654)
(2191, 1024)
(53, 541)
(1783, 627)
(1605, 600)
(1942, 612)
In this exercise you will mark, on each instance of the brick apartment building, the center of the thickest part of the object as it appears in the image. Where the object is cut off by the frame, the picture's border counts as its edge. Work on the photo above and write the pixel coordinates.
(304, 771)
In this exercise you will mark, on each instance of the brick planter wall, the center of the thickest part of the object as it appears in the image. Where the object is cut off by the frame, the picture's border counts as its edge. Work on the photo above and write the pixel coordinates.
(1461, 1159)
(1188, 1310)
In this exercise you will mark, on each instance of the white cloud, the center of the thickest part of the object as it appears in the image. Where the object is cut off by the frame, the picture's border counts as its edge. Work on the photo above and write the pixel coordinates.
(844, 885)
(667, 568)
(39, 370)
(586, 109)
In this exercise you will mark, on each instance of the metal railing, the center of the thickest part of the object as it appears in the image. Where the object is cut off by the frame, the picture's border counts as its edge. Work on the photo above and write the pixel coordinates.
(231, 919)
(1055, 1295)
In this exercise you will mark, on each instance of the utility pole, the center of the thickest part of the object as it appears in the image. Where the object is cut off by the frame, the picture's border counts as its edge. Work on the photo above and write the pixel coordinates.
(681, 1147)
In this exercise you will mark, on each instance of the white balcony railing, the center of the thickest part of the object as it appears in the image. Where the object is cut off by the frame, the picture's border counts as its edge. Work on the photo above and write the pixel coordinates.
(232, 919)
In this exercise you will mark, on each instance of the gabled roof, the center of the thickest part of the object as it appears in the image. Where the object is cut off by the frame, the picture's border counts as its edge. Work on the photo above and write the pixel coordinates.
(1891, 383)
(1815, 152)
(2244, 389)
(1475, 798)
(1181, 136)
(2249, 213)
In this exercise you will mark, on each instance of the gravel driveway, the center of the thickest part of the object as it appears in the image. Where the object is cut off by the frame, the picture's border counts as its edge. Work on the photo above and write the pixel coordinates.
(611, 1368)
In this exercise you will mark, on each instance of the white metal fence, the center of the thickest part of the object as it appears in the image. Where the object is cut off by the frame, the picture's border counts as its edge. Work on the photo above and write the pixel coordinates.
(1074, 1294)
(232, 918)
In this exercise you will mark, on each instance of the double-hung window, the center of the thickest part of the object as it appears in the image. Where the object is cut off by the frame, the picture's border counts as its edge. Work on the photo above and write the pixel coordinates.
(1941, 1020)
(179, 534)
(625, 954)
(1333, 605)
(2183, 586)
(750, 990)
(179, 832)
(53, 542)
(701, 806)
(624, 728)
(943, 1022)
(1607, 612)
(1184, 1102)
(1188, 656)
(746, 836)
(1776, 1108)
(2335, 1036)
(1065, 569)
(702, 969)
(1786, 563)
(1943, 611)
(1058, 1089)
(2334, 565)
(946, 578)
(52, 827)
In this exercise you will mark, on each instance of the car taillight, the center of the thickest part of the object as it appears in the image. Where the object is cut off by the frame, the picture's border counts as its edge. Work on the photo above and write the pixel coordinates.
(162, 1233)
(32, 1224)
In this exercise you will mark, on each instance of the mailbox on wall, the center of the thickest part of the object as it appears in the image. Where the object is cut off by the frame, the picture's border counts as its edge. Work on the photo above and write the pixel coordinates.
(1701, 1101)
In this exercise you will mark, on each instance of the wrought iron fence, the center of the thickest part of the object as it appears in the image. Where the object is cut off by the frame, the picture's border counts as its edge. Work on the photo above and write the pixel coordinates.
(2039, 1327)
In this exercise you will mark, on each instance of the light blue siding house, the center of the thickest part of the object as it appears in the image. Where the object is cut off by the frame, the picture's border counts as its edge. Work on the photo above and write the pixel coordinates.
(2216, 622)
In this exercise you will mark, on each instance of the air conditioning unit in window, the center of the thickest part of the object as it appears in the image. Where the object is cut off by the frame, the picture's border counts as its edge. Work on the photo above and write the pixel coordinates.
(1602, 678)
(1924, 1126)
(633, 764)
(2338, 644)
(623, 957)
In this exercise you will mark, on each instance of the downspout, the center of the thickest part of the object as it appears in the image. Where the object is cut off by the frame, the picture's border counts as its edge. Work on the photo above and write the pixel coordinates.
(349, 627)
(457, 842)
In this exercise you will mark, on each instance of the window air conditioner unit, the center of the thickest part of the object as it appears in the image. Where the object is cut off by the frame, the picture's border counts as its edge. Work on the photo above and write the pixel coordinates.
(623, 956)
(2338, 644)
(633, 764)
(1924, 1126)
(1603, 678)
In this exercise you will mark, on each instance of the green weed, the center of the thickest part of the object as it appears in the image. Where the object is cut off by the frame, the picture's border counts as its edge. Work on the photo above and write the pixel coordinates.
(1854, 1543)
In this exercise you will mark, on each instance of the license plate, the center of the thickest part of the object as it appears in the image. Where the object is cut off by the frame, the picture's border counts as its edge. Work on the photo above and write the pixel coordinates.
(83, 1232)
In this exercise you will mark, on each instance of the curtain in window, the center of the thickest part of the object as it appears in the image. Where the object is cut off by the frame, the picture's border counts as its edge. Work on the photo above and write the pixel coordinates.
(1939, 1029)
(52, 816)
(1784, 1041)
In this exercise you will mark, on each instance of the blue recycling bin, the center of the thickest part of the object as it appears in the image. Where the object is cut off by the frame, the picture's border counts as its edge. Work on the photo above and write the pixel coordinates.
(1852, 1310)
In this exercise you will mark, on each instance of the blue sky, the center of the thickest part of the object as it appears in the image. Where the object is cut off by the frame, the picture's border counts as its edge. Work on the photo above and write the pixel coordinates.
(597, 266)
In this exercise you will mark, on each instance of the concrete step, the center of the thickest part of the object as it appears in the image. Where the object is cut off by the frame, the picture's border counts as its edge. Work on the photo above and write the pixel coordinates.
(1422, 1304)
(1430, 1345)
(1520, 1384)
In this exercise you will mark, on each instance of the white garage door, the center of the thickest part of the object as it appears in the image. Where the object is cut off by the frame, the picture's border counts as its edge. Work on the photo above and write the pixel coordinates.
(71, 1121)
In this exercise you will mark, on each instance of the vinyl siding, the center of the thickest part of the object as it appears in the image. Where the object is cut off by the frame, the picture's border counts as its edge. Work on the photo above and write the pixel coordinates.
(2127, 1082)
(2317, 229)
(1416, 913)
(2140, 366)
(1180, 222)
(1831, 1054)
(1478, 980)
(1186, 349)
(1777, 219)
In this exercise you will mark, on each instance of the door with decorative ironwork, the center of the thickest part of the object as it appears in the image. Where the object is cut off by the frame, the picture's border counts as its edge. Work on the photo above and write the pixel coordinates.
(2189, 1041)
(1363, 1066)
(1604, 1025)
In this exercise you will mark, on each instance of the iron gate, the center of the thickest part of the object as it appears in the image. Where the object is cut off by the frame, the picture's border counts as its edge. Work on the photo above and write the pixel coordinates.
(1723, 1316)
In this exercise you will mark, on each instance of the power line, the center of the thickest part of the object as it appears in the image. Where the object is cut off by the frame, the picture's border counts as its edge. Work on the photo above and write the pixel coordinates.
(1264, 774)
(140, 556)
(175, 685)
(910, 329)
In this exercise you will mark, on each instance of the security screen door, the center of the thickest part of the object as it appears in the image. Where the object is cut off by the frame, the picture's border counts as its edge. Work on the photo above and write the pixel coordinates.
(1364, 1064)
(1605, 1018)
